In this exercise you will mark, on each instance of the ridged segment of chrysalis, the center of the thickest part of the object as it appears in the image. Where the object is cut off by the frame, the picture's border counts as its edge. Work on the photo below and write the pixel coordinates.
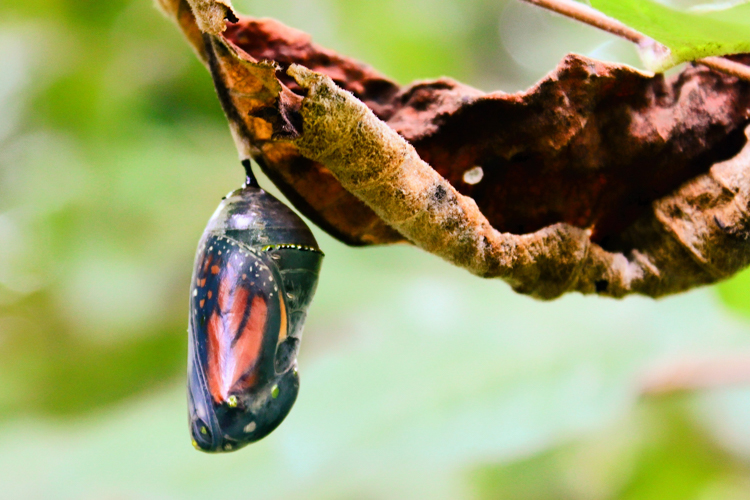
(255, 274)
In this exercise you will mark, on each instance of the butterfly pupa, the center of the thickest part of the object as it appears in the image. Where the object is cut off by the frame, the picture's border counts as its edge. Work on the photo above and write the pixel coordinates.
(255, 274)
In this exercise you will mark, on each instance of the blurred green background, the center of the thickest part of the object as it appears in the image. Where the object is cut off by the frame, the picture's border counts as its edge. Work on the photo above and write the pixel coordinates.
(418, 380)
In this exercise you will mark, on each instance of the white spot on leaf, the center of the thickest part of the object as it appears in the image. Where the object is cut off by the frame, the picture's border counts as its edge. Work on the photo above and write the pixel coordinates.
(473, 175)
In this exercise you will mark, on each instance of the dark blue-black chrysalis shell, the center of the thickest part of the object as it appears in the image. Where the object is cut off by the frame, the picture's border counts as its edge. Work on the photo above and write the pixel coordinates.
(255, 274)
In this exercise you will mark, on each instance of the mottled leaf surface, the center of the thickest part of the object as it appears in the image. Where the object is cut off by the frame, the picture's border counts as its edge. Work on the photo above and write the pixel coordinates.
(593, 144)
(600, 178)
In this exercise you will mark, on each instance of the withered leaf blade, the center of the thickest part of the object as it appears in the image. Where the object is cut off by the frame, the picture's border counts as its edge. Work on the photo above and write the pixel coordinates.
(597, 179)
(592, 145)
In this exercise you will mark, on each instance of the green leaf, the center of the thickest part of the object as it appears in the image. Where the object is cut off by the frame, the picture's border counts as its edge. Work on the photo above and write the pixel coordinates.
(660, 451)
(690, 35)
(735, 293)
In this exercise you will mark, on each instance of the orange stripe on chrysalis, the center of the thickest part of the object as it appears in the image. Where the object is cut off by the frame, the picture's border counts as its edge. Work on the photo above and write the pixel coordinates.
(282, 327)
(247, 346)
(207, 263)
(232, 354)
(216, 358)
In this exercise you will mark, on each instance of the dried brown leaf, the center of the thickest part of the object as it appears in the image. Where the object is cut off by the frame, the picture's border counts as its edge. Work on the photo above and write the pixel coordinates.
(598, 179)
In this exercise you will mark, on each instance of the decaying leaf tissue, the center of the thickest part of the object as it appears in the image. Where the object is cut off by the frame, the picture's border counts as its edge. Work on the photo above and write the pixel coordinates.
(599, 179)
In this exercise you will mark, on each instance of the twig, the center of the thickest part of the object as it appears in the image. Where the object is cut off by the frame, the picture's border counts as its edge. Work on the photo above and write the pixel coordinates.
(593, 17)
(726, 66)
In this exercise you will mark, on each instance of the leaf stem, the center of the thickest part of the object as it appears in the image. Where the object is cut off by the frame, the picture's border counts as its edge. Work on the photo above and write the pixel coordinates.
(727, 66)
(593, 17)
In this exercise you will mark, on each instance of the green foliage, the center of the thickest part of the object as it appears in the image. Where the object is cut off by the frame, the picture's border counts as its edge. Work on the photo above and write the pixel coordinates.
(110, 140)
(690, 35)
(735, 293)
(658, 452)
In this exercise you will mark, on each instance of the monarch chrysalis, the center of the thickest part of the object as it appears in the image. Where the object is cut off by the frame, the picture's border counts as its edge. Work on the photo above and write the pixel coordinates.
(255, 274)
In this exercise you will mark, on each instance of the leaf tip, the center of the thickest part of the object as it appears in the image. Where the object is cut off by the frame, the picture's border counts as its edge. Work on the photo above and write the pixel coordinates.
(212, 15)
